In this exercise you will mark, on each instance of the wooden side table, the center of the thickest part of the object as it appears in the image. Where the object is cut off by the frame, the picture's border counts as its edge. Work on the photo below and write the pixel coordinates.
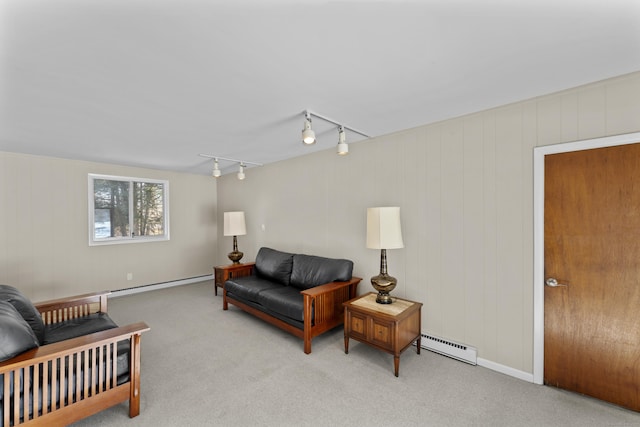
(223, 273)
(388, 327)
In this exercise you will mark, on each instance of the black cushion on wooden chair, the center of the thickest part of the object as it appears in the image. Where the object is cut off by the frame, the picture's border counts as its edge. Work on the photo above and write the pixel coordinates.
(26, 308)
(78, 327)
(16, 336)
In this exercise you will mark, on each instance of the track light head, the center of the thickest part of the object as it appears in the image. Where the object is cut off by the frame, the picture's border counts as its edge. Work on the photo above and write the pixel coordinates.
(308, 135)
(343, 148)
(216, 169)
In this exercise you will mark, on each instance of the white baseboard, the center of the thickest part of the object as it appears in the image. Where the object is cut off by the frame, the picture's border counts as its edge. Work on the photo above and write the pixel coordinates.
(525, 376)
(156, 286)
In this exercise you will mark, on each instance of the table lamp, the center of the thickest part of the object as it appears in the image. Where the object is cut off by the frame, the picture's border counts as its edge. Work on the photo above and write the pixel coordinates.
(384, 232)
(234, 226)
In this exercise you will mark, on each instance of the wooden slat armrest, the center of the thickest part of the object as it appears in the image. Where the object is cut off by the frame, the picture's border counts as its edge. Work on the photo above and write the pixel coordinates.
(326, 300)
(49, 351)
(245, 268)
(231, 271)
(329, 287)
(91, 298)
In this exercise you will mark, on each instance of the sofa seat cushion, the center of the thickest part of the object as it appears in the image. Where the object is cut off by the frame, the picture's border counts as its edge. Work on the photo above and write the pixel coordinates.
(25, 307)
(274, 265)
(286, 300)
(310, 271)
(80, 326)
(16, 336)
(250, 287)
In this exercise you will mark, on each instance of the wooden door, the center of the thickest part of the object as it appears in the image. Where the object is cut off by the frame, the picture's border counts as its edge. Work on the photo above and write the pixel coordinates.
(592, 245)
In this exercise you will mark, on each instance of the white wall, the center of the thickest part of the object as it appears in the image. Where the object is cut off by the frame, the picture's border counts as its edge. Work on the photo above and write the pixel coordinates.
(465, 188)
(44, 247)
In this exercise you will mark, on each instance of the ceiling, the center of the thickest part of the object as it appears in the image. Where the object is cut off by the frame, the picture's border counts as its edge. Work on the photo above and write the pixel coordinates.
(155, 83)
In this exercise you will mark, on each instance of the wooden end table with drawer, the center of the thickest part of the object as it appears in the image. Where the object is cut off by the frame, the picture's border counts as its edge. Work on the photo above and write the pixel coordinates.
(388, 327)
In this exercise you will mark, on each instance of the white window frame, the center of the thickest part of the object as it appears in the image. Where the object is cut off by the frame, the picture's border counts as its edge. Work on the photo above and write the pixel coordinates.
(126, 239)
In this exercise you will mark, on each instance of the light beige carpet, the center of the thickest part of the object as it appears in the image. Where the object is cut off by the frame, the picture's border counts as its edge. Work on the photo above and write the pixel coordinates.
(202, 366)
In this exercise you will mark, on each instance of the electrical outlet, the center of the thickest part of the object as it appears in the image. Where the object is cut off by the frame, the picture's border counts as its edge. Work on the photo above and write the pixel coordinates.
(129, 276)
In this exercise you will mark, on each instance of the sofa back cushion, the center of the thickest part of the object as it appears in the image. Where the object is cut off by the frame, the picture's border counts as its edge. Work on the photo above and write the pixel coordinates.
(274, 265)
(310, 271)
(25, 307)
(16, 336)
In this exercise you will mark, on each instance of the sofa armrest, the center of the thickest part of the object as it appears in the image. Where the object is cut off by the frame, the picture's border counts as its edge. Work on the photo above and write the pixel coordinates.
(73, 345)
(58, 310)
(323, 303)
(70, 362)
(332, 286)
(226, 272)
(223, 273)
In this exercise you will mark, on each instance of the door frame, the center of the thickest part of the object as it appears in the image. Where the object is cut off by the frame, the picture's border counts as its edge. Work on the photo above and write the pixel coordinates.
(539, 154)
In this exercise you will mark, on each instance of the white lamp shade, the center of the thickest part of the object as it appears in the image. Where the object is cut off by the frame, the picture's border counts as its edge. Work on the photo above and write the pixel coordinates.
(234, 224)
(383, 228)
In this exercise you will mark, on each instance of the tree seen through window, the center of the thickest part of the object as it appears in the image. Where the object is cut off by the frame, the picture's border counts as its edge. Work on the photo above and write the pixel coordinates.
(127, 209)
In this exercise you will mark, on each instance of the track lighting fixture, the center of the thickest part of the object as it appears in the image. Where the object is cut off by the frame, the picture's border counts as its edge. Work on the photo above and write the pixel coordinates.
(308, 135)
(343, 148)
(216, 169)
(241, 165)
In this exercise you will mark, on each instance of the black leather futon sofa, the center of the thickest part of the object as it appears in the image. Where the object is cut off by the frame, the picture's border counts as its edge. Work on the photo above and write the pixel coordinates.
(302, 294)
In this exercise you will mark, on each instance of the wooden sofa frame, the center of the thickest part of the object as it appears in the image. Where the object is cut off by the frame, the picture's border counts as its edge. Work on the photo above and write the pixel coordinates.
(326, 301)
(84, 396)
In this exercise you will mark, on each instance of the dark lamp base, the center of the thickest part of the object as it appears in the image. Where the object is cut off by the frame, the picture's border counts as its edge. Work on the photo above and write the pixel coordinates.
(383, 298)
(235, 256)
(383, 283)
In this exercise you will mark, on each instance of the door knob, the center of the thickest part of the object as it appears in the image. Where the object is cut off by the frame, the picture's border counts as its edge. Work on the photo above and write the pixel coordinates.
(552, 283)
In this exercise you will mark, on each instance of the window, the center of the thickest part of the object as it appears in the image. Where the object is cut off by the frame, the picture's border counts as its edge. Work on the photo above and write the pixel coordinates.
(127, 210)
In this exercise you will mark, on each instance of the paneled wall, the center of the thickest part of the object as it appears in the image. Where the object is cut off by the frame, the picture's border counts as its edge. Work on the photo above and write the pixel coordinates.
(44, 230)
(465, 188)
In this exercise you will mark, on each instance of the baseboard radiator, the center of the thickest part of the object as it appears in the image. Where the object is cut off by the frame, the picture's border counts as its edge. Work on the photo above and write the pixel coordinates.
(452, 349)
(156, 286)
